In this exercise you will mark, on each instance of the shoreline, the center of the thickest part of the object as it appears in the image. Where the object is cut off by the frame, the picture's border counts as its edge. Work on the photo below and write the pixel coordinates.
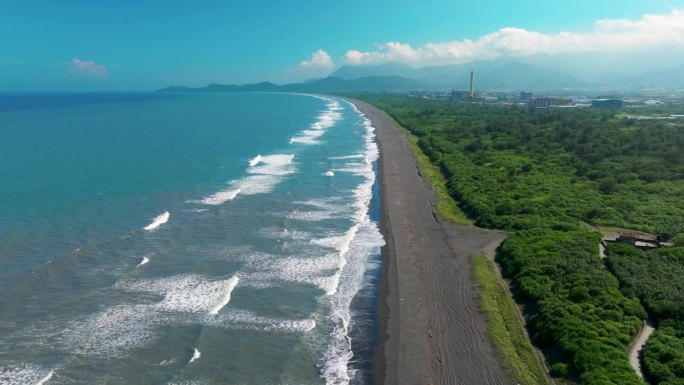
(432, 331)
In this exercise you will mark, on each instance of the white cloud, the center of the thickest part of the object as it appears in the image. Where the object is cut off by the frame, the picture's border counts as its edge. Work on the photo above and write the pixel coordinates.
(607, 35)
(319, 59)
(88, 67)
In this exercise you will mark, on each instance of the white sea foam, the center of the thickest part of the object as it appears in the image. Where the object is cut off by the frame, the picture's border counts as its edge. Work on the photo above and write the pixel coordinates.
(143, 261)
(242, 319)
(266, 174)
(277, 164)
(279, 233)
(354, 247)
(332, 283)
(112, 331)
(344, 157)
(354, 168)
(367, 241)
(184, 299)
(333, 203)
(196, 381)
(168, 362)
(317, 267)
(185, 293)
(23, 374)
(266, 171)
(158, 221)
(195, 355)
(320, 209)
(271, 169)
(258, 184)
(225, 298)
(265, 270)
(221, 197)
(46, 378)
(254, 161)
(311, 216)
(339, 242)
(308, 136)
(187, 299)
(325, 120)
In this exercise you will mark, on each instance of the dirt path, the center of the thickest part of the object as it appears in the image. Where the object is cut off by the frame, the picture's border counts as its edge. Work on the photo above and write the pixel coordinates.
(435, 331)
(637, 346)
(640, 339)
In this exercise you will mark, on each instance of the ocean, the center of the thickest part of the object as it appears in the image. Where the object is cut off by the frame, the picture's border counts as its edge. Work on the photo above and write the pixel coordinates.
(151, 238)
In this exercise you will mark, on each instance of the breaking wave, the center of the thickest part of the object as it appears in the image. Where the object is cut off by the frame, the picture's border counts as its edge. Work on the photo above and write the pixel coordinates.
(325, 120)
(158, 221)
(266, 171)
(144, 261)
(22, 374)
(221, 197)
(195, 355)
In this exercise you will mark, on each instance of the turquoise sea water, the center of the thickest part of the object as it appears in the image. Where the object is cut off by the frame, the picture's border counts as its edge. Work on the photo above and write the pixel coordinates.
(186, 239)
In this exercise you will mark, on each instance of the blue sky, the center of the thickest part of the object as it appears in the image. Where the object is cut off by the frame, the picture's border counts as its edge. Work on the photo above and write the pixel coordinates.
(137, 45)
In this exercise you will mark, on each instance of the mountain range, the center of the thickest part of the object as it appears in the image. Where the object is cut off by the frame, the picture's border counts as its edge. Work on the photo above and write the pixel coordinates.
(534, 73)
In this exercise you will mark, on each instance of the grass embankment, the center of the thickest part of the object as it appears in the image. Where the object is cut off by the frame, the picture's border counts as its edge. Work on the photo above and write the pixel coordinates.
(505, 325)
(447, 208)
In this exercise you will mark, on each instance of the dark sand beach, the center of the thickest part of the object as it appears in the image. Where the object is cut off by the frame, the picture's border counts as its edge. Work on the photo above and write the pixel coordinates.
(435, 332)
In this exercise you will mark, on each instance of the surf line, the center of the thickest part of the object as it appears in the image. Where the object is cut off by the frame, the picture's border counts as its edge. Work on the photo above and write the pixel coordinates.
(144, 261)
(225, 298)
(46, 378)
(195, 355)
(256, 160)
(158, 221)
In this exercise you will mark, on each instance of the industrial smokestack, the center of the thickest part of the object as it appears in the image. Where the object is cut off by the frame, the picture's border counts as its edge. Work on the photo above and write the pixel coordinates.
(472, 84)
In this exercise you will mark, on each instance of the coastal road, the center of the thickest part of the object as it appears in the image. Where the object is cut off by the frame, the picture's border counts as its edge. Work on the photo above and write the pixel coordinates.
(435, 331)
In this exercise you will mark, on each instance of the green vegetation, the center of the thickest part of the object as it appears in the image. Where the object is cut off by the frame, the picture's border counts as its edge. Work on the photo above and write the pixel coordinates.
(580, 308)
(655, 277)
(506, 326)
(663, 355)
(542, 175)
(446, 206)
(507, 167)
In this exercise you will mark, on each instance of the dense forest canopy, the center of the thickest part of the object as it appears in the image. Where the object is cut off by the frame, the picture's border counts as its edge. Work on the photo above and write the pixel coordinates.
(587, 164)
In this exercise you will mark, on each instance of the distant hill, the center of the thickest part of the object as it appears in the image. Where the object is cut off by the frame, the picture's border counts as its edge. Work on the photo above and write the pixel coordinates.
(214, 87)
(505, 73)
(526, 76)
(351, 72)
(329, 84)
(673, 77)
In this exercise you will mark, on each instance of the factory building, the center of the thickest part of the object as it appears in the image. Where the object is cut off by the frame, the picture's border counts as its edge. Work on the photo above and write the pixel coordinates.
(548, 102)
(607, 103)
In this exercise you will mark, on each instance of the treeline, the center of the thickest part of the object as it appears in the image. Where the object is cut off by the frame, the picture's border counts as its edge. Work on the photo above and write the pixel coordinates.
(542, 174)
(656, 277)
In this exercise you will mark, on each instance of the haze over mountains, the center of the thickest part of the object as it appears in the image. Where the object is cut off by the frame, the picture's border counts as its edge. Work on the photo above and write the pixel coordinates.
(654, 69)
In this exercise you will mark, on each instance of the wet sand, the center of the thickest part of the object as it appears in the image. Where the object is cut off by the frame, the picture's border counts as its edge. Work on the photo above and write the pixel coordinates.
(435, 333)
